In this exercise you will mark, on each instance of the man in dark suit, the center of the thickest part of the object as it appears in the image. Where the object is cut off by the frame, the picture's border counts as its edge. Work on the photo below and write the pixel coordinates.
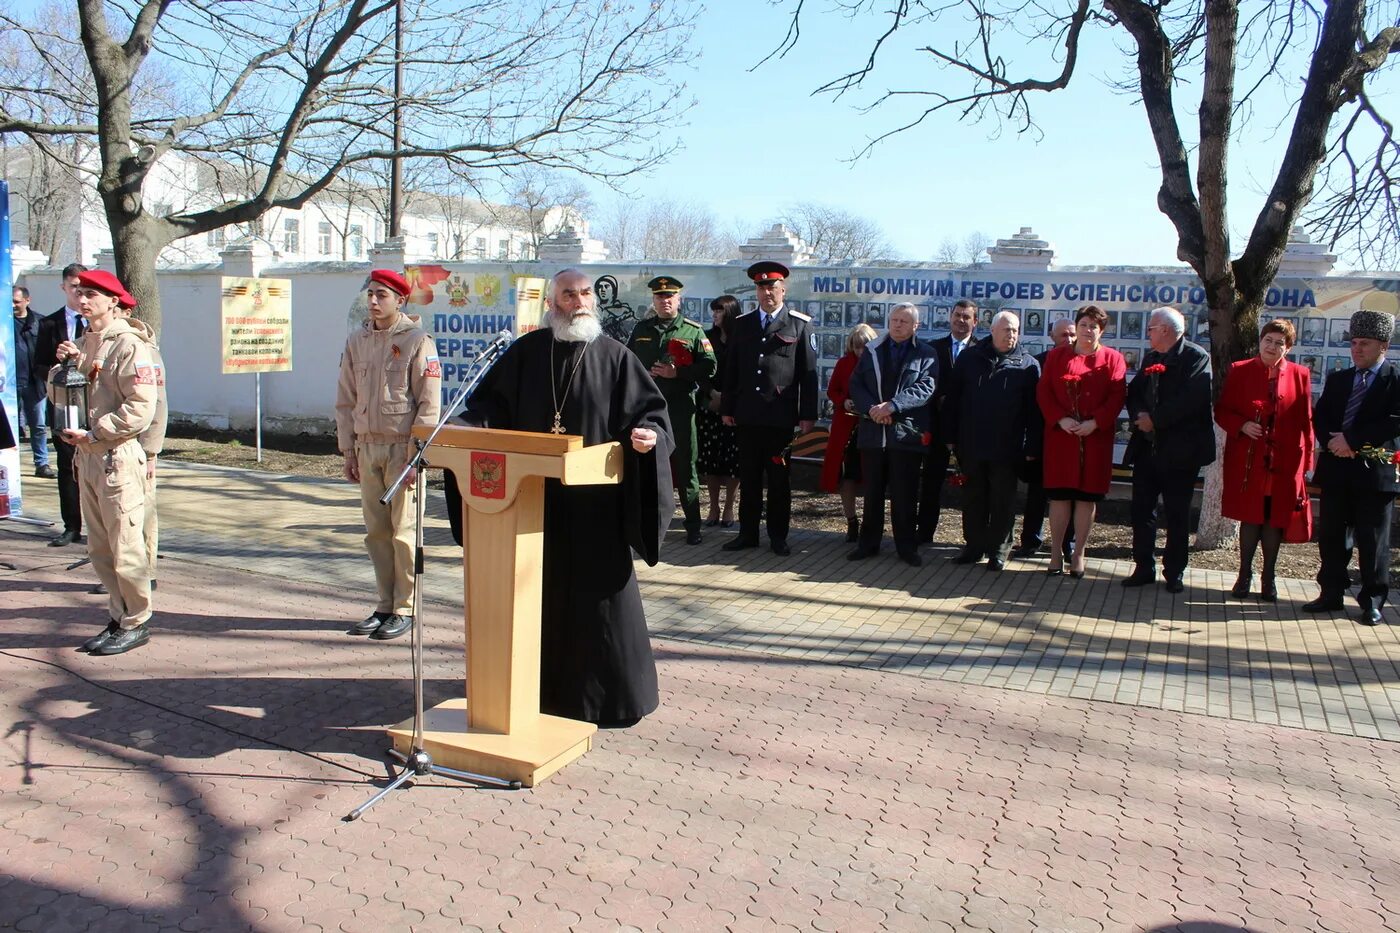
(961, 323)
(58, 338)
(1169, 405)
(770, 385)
(1357, 423)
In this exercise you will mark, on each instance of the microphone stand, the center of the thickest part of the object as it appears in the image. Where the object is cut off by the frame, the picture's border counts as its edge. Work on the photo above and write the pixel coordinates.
(418, 763)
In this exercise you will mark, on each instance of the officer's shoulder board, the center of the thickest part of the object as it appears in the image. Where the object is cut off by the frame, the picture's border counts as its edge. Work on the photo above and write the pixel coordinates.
(695, 324)
(800, 316)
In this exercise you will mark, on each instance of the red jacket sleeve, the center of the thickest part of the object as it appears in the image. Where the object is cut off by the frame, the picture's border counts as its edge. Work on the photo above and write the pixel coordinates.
(1106, 414)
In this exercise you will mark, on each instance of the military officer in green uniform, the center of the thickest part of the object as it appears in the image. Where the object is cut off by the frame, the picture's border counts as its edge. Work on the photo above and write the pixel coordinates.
(679, 356)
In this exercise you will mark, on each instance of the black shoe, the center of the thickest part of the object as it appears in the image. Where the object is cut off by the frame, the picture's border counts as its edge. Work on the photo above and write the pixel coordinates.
(738, 544)
(368, 625)
(1268, 592)
(1138, 578)
(781, 548)
(711, 522)
(102, 637)
(1241, 588)
(860, 553)
(1323, 604)
(693, 536)
(99, 589)
(1026, 551)
(1175, 585)
(1077, 574)
(46, 472)
(852, 530)
(1369, 617)
(63, 539)
(153, 584)
(966, 557)
(392, 627)
(924, 537)
(912, 558)
(125, 640)
(996, 565)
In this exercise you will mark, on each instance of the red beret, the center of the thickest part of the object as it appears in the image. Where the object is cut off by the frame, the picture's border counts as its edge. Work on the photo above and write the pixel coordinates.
(390, 280)
(105, 281)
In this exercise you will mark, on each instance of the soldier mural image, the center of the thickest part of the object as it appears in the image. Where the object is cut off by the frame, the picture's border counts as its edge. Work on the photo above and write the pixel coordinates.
(617, 317)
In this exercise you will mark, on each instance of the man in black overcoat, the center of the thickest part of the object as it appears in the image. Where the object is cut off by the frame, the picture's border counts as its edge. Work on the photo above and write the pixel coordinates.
(1173, 438)
(1357, 423)
(58, 338)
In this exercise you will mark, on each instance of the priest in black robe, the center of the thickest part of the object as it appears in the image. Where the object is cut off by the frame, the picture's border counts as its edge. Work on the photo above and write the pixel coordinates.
(568, 377)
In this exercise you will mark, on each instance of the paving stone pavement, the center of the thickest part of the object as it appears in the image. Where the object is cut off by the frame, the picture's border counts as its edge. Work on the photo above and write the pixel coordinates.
(199, 782)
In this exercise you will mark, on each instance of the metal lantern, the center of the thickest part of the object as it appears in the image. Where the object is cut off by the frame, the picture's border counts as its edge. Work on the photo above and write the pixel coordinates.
(70, 407)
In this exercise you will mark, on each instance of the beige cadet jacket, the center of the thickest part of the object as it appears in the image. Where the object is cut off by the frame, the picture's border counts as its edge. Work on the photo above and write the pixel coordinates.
(153, 438)
(390, 380)
(122, 389)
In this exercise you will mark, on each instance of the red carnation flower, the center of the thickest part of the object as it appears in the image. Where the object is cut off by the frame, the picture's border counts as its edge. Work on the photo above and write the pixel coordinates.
(1071, 379)
(679, 352)
(926, 438)
(1156, 369)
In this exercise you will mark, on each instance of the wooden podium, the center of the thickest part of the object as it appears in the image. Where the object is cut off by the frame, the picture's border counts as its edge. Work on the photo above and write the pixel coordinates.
(498, 729)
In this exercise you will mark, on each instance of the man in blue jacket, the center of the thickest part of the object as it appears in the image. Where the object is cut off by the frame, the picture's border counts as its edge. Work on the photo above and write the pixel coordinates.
(890, 389)
(994, 425)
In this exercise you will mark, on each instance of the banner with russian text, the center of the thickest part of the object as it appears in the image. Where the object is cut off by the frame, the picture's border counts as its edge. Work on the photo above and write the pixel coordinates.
(256, 325)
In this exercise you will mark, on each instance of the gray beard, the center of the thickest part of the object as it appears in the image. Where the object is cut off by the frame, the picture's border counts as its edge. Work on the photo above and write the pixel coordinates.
(575, 330)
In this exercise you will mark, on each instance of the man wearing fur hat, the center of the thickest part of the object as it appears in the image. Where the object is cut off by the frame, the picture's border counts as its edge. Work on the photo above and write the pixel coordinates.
(390, 381)
(1357, 423)
(109, 462)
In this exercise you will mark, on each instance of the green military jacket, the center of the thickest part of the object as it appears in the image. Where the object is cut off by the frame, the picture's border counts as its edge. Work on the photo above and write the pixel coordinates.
(652, 341)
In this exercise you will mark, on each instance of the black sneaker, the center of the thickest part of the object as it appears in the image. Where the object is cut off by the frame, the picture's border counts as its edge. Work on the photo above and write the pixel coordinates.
(393, 627)
(369, 625)
(46, 472)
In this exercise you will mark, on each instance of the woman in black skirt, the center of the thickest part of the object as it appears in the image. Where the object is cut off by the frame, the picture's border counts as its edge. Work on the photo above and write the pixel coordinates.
(718, 456)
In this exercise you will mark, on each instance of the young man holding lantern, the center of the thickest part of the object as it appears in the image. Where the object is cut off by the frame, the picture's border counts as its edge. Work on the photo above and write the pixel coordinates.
(121, 398)
(678, 355)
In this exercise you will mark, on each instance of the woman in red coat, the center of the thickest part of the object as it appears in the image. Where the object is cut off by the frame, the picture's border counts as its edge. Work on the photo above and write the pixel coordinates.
(1265, 410)
(841, 462)
(1081, 392)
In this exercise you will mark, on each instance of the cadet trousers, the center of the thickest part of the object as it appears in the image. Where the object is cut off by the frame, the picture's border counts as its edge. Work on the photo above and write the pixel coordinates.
(388, 528)
(764, 454)
(112, 487)
(151, 529)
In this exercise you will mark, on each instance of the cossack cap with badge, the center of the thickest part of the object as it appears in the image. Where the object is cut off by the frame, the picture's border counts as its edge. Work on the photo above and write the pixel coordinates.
(390, 280)
(665, 285)
(767, 271)
(104, 281)
(1373, 325)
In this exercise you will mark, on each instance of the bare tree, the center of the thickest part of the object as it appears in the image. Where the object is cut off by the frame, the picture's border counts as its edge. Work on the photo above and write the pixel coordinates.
(974, 247)
(834, 236)
(1324, 56)
(661, 230)
(545, 202)
(949, 250)
(296, 92)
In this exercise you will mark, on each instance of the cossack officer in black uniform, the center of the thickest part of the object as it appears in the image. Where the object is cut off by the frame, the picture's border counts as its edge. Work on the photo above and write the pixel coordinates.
(770, 387)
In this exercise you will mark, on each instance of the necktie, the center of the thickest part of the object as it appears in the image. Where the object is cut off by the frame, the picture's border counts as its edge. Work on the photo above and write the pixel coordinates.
(766, 319)
(1358, 392)
(957, 348)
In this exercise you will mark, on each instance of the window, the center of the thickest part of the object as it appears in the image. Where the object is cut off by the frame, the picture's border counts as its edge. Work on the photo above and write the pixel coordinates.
(291, 235)
(433, 245)
(216, 238)
(480, 250)
(323, 238)
(357, 241)
(503, 250)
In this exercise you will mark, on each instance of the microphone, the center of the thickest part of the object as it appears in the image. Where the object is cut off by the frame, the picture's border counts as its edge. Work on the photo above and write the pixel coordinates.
(499, 342)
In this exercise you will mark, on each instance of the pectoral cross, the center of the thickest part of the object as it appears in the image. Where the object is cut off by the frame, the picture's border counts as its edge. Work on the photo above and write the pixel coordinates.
(558, 427)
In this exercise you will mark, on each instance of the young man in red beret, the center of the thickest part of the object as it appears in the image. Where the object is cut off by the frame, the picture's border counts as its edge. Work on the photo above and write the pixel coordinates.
(110, 463)
(390, 380)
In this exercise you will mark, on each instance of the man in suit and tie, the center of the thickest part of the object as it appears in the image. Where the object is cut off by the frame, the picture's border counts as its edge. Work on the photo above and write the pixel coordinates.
(961, 323)
(1033, 521)
(1357, 423)
(770, 386)
(58, 338)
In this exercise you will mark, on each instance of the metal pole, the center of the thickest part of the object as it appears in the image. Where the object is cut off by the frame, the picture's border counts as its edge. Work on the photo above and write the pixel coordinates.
(257, 414)
(395, 163)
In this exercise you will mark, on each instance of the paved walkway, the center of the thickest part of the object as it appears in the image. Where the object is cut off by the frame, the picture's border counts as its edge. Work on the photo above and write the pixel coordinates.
(999, 752)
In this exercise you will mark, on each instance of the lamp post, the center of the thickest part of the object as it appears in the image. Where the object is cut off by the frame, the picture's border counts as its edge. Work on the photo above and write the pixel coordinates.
(395, 163)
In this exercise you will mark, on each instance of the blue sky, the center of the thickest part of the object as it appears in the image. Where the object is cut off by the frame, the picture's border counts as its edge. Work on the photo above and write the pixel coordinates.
(756, 141)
